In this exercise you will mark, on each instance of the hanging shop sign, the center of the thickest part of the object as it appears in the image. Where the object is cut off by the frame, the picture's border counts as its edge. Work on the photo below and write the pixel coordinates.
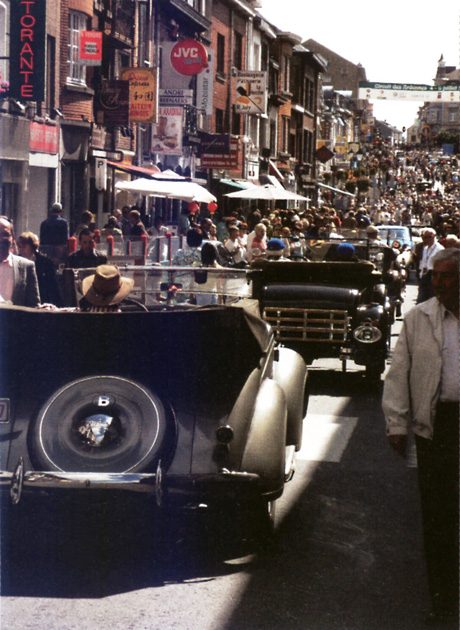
(113, 102)
(251, 92)
(142, 93)
(189, 57)
(100, 173)
(211, 157)
(44, 138)
(27, 50)
(409, 92)
(167, 133)
(91, 48)
(205, 87)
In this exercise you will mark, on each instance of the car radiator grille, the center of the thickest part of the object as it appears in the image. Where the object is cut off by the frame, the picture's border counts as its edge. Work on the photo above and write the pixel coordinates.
(307, 324)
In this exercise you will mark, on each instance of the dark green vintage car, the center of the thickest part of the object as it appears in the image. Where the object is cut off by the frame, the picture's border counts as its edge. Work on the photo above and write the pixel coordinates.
(325, 307)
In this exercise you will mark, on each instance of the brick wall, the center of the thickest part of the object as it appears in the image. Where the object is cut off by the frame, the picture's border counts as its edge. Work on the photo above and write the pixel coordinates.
(74, 101)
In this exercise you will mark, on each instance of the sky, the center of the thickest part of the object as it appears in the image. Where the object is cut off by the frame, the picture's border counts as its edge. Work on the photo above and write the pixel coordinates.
(397, 41)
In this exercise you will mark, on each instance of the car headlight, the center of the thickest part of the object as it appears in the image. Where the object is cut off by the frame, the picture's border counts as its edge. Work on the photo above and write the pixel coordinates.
(367, 333)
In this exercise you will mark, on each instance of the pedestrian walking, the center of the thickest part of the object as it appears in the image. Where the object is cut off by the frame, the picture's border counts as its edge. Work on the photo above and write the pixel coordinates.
(422, 391)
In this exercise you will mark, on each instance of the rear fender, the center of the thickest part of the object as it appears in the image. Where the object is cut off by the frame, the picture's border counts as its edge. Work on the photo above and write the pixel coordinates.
(264, 452)
(290, 372)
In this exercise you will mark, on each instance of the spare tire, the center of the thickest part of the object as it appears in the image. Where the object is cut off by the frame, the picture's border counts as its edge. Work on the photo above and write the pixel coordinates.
(104, 424)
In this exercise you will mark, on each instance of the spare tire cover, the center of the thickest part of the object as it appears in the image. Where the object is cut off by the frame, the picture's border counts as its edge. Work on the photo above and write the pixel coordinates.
(103, 424)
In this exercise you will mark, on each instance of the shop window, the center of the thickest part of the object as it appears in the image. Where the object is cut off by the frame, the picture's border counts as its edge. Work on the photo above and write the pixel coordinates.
(4, 35)
(273, 138)
(236, 124)
(220, 121)
(76, 70)
(286, 73)
(285, 134)
(220, 60)
(238, 52)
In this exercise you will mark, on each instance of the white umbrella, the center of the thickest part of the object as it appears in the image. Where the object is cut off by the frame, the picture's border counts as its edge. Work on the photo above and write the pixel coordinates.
(178, 189)
(268, 192)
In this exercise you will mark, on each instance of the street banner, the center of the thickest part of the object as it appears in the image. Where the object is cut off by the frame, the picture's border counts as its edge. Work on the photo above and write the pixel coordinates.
(172, 96)
(212, 158)
(27, 50)
(409, 92)
(251, 92)
(204, 87)
(142, 93)
(91, 48)
(113, 101)
(167, 133)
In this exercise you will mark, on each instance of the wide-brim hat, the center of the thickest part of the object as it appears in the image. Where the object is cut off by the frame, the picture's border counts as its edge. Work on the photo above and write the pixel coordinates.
(106, 287)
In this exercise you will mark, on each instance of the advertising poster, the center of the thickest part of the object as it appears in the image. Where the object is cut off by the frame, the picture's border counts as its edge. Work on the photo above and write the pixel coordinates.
(167, 133)
(181, 61)
(142, 93)
(251, 92)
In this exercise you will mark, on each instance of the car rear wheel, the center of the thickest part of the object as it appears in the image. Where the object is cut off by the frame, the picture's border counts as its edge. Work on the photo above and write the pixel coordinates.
(102, 424)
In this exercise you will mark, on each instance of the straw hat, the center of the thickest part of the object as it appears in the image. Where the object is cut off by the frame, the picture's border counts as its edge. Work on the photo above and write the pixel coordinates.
(106, 287)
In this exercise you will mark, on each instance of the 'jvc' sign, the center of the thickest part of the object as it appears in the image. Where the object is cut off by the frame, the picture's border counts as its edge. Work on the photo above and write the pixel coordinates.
(189, 57)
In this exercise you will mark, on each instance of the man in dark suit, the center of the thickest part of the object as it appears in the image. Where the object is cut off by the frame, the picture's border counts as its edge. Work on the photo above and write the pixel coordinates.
(18, 280)
(54, 234)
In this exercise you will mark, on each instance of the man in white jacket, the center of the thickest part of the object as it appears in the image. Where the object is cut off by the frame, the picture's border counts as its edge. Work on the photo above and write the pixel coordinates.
(422, 389)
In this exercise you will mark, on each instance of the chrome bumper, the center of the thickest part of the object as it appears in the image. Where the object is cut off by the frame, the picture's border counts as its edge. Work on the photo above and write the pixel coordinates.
(184, 490)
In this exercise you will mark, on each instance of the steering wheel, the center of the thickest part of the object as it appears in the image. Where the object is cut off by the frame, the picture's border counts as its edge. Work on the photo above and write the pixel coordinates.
(132, 302)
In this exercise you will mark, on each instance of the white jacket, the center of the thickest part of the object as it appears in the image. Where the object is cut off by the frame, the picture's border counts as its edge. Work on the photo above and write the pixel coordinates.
(413, 383)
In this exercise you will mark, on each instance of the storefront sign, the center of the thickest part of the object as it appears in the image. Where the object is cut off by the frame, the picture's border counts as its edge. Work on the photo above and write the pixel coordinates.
(167, 134)
(142, 93)
(219, 160)
(171, 96)
(44, 138)
(189, 57)
(27, 49)
(91, 48)
(113, 101)
(251, 92)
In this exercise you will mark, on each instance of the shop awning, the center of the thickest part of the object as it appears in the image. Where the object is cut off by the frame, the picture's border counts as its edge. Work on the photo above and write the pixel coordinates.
(240, 184)
(145, 171)
(275, 171)
(336, 190)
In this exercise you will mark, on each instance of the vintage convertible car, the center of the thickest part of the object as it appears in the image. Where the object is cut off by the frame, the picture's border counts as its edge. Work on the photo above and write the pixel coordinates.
(325, 307)
(195, 406)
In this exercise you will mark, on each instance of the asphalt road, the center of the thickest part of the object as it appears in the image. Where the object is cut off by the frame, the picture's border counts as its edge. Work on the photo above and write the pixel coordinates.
(346, 554)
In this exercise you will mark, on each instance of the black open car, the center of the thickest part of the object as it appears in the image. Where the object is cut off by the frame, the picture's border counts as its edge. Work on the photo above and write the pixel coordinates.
(194, 406)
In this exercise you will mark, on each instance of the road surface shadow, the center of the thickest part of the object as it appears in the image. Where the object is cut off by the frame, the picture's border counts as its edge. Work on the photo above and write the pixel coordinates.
(61, 548)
